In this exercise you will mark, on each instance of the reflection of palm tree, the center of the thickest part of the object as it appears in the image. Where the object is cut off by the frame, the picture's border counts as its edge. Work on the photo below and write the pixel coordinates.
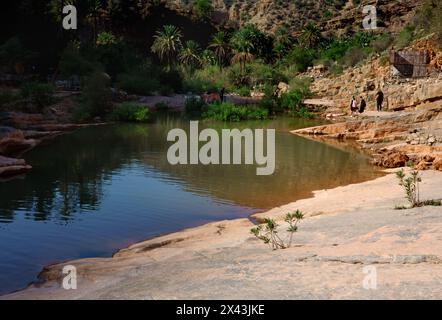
(242, 46)
(310, 36)
(189, 56)
(220, 47)
(167, 44)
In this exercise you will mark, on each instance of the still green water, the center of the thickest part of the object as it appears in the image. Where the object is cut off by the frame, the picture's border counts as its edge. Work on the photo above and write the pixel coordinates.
(103, 188)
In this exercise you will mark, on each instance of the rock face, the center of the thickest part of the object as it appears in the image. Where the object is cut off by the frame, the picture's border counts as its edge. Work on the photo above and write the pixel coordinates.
(268, 15)
(394, 160)
(12, 167)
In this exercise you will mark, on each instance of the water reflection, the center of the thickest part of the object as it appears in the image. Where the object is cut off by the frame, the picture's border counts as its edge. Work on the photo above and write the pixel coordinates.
(102, 188)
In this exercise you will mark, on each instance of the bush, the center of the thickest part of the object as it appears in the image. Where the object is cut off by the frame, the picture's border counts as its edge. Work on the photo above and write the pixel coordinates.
(268, 232)
(130, 112)
(228, 112)
(96, 98)
(353, 57)
(171, 81)
(263, 74)
(243, 91)
(292, 101)
(40, 94)
(300, 57)
(138, 83)
(8, 96)
(202, 8)
(195, 106)
(269, 101)
(73, 63)
(198, 86)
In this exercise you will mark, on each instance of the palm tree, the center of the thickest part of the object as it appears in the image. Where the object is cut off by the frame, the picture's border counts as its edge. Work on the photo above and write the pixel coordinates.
(242, 46)
(282, 43)
(189, 56)
(220, 47)
(167, 44)
(94, 16)
(311, 36)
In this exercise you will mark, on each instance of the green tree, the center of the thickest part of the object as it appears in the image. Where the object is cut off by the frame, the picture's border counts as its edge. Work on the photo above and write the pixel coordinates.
(243, 45)
(189, 55)
(167, 44)
(311, 36)
(221, 47)
(283, 42)
(202, 8)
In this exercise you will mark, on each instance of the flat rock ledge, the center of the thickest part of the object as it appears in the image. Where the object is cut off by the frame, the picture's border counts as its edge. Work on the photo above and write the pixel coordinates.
(393, 139)
(10, 167)
(346, 230)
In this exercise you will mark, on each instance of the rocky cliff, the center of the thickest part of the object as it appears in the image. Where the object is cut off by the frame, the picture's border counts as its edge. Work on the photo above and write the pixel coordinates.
(339, 16)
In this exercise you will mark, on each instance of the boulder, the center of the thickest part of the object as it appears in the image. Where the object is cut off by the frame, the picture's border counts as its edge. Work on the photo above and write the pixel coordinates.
(423, 165)
(15, 145)
(437, 163)
(394, 160)
(10, 167)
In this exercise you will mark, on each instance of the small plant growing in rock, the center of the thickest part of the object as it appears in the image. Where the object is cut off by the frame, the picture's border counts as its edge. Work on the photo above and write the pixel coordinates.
(268, 233)
(410, 184)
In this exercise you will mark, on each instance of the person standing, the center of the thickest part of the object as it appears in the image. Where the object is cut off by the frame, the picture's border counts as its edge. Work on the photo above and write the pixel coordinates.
(363, 105)
(379, 100)
(222, 93)
(353, 105)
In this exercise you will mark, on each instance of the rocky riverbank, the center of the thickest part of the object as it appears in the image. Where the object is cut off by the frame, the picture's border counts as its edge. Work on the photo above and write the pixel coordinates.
(393, 138)
(21, 132)
(346, 229)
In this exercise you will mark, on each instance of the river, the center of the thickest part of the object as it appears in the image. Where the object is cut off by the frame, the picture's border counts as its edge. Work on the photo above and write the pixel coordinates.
(100, 189)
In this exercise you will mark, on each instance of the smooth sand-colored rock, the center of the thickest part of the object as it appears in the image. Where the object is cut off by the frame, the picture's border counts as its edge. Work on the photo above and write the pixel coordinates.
(346, 229)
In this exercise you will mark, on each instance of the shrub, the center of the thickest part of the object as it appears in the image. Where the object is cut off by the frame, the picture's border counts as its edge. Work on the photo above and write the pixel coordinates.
(262, 74)
(269, 100)
(138, 83)
(292, 100)
(243, 91)
(96, 98)
(162, 106)
(40, 94)
(202, 8)
(300, 57)
(8, 96)
(229, 112)
(268, 232)
(353, 57)
(106, 38)
(411, 186)
(194, 106)
(130, 112)
(405, 37)
(171, 81)
(239, 77)
(198, 85)
(73, 63)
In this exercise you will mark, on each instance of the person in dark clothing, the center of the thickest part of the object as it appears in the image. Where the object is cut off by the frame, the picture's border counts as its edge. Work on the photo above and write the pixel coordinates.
(221, 94)
(379, 100)
(362, 106)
